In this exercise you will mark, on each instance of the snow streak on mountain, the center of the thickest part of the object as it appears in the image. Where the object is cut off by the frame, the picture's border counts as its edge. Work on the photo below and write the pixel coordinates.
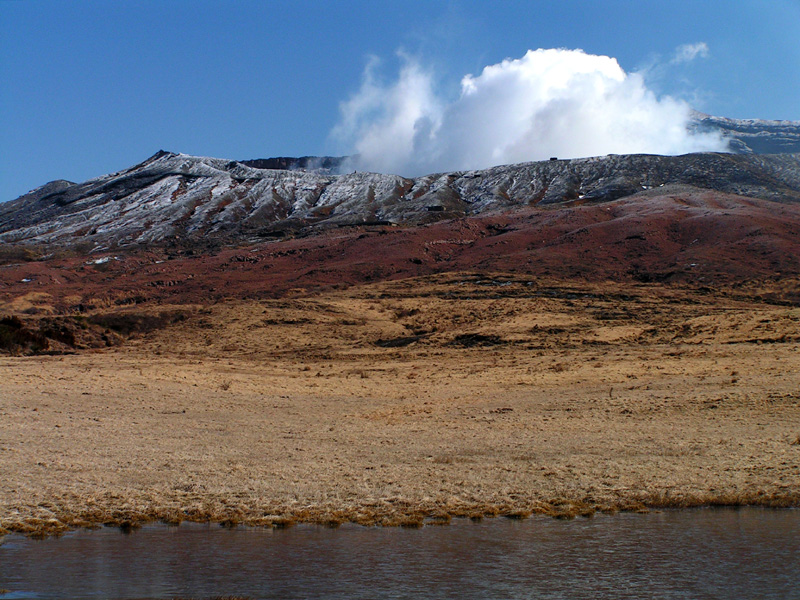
(172, 197)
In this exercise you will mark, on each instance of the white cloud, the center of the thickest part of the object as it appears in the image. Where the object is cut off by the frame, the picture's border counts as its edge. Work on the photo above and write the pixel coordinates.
(554, 102)
(688, 52)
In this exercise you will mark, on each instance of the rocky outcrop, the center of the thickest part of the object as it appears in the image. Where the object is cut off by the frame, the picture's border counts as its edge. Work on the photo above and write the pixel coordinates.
(319, 164)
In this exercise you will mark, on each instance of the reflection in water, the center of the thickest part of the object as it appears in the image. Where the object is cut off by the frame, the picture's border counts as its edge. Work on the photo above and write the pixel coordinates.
(720, 553)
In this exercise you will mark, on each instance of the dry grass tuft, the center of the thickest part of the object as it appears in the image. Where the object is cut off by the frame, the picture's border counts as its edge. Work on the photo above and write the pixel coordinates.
(283, 523)
(412, 522)
(439, 518)
(230, 523)
(518, 514)
(172, 517)
(38, 528)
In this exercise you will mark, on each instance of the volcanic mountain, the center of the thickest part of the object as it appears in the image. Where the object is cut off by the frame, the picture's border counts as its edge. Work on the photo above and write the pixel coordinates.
(172, 197)
(192, 227)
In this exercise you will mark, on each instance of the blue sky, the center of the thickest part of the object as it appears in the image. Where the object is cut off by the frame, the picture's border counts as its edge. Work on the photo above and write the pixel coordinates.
(88, 88)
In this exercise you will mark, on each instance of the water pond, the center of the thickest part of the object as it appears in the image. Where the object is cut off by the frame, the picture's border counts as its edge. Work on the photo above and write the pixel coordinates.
(692, 554)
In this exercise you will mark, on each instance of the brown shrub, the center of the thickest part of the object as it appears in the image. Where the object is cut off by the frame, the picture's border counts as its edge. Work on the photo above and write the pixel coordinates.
(16, 338)
(127, 324)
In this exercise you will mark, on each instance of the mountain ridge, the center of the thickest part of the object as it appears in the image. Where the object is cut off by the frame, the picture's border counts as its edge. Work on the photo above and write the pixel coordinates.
(171, 196)
(752, 136)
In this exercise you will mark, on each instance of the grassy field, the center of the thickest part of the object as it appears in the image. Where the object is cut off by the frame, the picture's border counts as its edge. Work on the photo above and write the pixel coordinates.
(404, 403)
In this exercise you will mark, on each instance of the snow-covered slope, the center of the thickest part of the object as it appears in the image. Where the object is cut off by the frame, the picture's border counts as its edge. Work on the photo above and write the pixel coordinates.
(753, 136)
(173, 197)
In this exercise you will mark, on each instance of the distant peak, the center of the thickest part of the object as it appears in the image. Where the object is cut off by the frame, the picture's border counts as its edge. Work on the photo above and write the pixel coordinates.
(161, 154)
(150, 160)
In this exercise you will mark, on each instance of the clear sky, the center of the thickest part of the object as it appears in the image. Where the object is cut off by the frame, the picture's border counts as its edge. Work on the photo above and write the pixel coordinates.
(88, 88)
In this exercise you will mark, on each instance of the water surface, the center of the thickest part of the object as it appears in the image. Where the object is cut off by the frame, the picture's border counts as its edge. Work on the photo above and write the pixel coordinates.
(692, 554)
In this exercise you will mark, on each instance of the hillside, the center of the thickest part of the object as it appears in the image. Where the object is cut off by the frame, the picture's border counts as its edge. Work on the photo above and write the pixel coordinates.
(175, 197)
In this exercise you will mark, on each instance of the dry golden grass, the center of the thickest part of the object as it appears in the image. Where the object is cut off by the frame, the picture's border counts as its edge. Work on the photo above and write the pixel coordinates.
(411, 403)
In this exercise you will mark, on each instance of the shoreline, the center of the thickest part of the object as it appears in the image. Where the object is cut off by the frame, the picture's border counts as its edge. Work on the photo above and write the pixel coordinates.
(407, 516)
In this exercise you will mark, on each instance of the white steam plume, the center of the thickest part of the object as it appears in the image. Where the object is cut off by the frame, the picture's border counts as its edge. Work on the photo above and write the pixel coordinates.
(555, 102)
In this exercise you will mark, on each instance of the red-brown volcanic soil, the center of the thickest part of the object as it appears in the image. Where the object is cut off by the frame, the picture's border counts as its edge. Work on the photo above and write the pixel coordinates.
(696, 237)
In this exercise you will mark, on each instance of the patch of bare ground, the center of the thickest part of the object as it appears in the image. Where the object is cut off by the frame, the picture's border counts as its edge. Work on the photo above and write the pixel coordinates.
(409, 403)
